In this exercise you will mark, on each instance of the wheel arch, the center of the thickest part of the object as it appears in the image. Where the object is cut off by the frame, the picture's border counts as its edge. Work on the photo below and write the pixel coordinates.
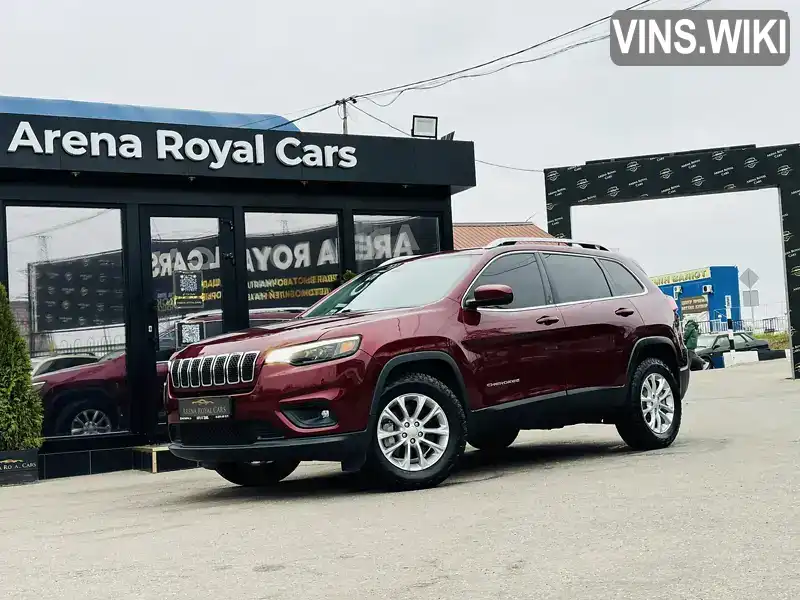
(435, 363)
(61, 400)
(659, 347)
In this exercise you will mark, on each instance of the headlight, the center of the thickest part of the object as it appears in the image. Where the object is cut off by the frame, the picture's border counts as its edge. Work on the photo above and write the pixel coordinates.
(37, 385)
(315, 352)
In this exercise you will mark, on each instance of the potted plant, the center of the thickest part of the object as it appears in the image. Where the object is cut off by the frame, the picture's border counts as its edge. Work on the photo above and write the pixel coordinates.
(20, 405)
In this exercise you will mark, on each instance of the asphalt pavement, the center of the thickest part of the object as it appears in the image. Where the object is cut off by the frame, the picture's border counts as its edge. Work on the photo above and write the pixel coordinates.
(564, 514)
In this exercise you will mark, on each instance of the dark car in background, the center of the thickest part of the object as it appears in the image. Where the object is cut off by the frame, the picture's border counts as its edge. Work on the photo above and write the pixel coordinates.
(711, 346)
(92, 396)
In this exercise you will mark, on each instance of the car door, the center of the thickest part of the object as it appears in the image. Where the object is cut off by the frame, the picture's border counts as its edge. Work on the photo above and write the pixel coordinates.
(515, 348)
(600, 324)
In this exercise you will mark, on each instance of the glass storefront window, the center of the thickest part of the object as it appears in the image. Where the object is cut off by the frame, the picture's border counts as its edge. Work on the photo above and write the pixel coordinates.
(292, 261)
(379, 238)
(67, 290)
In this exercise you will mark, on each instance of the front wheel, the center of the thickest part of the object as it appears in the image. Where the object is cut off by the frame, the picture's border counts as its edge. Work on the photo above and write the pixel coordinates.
(419, 436)
(257, 474)
(652, 415)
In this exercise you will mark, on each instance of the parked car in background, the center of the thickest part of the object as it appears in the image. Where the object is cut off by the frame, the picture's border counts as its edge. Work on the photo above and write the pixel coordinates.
(395, 371)
(55, 362)
(711, 346)
(92, 397)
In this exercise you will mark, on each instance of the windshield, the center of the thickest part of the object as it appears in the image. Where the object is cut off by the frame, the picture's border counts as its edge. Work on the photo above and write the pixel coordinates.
(399, 285)
(705, 341)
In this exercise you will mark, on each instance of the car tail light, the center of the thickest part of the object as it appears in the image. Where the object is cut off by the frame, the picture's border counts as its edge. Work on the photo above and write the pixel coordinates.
(676, 318)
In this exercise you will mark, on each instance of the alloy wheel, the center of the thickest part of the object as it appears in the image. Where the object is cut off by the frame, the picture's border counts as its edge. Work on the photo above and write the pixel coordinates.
(658, 403)
(90, 421)
(413, 432)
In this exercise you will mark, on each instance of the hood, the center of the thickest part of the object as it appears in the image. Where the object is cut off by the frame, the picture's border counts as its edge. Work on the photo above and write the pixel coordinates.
(294, 331)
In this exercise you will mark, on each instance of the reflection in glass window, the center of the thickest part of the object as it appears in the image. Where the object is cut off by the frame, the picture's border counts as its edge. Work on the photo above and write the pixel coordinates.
(292, 261)
(67, 290)
(379, 238)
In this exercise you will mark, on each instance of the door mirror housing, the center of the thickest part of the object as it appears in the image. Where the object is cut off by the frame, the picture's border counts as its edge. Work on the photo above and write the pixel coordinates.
(490, 295)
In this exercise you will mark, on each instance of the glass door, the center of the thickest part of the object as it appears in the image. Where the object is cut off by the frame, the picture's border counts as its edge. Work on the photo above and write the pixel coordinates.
(191, 264)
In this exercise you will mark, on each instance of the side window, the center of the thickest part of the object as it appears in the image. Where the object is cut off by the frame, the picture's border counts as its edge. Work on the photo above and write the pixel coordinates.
(723, 343)
(520, 272)
(739, 341)
(622, 281)
(576, 278)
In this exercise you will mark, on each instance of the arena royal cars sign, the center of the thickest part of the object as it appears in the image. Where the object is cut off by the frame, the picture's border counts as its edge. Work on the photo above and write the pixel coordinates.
(109, 146)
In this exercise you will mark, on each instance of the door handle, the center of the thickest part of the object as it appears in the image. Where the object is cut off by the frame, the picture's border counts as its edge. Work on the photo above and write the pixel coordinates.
(547, 320)
(623, 312)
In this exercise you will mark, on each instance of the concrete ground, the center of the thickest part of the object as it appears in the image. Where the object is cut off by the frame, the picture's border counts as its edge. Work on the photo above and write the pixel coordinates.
(566, 514)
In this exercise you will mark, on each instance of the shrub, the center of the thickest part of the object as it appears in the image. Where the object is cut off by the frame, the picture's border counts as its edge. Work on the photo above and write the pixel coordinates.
(347, 276)
(777, 341)
(20, 405)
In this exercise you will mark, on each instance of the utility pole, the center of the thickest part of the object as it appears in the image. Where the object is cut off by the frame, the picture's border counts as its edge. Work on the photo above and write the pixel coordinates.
(343, 103)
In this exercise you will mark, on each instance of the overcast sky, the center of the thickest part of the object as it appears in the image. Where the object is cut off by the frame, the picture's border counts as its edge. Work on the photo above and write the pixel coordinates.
(255, 56)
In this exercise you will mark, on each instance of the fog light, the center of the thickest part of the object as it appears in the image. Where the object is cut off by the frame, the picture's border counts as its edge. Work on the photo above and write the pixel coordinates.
(310, 416)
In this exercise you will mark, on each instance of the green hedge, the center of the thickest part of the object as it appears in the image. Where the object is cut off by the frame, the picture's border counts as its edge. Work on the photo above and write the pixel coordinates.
(777, 341)
(20, 405)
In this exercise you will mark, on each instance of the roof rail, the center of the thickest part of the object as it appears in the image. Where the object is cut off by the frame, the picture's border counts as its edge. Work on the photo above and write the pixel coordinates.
(397, 259)
(511, 241)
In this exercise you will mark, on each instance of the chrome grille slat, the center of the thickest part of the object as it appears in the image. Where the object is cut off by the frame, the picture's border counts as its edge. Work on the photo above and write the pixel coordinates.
(206, 372)
(174, 370)
(219, 369)
(232, 368)
(194, 372)
(184, 372)
(247, 366)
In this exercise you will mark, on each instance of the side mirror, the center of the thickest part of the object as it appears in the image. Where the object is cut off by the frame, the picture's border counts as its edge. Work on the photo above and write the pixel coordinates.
(490, 295)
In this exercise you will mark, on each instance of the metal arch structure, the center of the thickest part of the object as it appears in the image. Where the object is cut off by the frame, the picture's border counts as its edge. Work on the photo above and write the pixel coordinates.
(708, 171)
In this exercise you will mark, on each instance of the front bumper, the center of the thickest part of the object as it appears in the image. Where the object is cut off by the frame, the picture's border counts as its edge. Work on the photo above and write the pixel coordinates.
(339, 448)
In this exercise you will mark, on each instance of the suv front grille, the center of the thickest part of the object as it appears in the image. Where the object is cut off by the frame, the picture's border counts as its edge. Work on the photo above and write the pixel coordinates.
(223, 433)
(214, 370)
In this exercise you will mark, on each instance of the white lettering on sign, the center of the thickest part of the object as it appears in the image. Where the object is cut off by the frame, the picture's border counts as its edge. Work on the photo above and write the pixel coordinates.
(315, 156)
(75, 143)
(171, 145)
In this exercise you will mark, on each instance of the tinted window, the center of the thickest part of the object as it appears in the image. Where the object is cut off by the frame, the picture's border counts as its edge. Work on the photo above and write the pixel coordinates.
(723, 343)
(575, 278)
(740, 341)
(521, 273)
(622, 280)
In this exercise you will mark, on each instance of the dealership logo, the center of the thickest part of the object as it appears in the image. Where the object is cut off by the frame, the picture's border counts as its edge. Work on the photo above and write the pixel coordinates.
(787, 235)
(795, 271)
(550, 206)
(666, 173)
(289, 151)
(718, 155)
(613, 191)
(633, 166)
(202, 402)
(583, 183)
(698, 180)
(784, 170)
(750, 163)
(552, 175)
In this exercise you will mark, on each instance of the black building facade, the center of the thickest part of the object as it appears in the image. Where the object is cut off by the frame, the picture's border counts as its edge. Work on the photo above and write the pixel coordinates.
(111, 232)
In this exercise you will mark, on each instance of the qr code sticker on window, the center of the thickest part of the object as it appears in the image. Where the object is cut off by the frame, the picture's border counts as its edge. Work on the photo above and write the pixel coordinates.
(190, 333)
(187, 283)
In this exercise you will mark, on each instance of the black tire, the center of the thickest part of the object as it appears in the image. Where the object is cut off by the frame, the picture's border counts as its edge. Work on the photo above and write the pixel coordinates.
(257, 474)
(707, 364)
(632, 426)
(493, 440)
(94, 402)
(393, 478)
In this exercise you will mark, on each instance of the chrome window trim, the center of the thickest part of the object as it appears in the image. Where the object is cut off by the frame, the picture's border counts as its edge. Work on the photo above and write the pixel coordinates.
(554, 304)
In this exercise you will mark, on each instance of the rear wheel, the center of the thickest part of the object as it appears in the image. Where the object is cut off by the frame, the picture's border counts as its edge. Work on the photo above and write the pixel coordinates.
(494, 441)
(90, 416)
(257, 474)
(419, 436)
(652, 416)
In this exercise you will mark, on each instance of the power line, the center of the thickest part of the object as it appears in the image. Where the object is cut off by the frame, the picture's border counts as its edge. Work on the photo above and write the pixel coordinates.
(60, 226)
(323, 108)
(499, 58)
(483, 162)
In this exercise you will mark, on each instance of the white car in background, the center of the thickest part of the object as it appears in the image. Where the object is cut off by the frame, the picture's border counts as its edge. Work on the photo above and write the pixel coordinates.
(57, 362)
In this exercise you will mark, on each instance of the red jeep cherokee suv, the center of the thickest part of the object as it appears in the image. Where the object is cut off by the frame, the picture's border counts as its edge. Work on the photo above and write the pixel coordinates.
(396, 370)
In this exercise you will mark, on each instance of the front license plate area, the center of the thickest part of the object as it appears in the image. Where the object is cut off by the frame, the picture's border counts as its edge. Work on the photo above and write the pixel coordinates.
(204, 409)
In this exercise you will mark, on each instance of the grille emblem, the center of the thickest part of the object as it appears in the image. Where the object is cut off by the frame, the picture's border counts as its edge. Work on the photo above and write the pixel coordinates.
(213, 370)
